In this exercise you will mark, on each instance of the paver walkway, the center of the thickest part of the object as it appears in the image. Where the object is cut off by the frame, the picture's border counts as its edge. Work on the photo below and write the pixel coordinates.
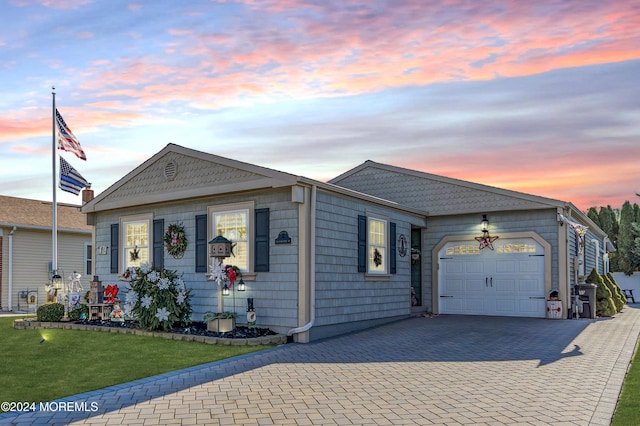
(442, 370)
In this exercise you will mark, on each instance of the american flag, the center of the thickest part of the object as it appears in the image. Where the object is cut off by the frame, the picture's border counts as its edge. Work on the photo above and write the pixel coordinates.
(70, 180)
(67, 140)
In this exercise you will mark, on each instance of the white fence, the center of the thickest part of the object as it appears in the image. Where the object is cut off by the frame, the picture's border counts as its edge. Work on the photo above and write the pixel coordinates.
(631, 282)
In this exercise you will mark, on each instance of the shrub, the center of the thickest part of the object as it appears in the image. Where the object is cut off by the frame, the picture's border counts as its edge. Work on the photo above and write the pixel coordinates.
(50, 312)
(158, 298)
(613, 280)
(616, 293)
(75, 314)
(605, 307)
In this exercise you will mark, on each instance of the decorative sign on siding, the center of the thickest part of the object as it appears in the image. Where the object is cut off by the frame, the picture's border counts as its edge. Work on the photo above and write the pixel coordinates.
(283, 238)
(402, 245)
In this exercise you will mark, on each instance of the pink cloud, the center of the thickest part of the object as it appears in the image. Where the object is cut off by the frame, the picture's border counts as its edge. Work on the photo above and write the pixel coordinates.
(53, 4)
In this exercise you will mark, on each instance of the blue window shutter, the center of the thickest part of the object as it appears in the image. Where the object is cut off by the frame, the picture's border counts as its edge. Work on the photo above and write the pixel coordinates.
(362, 243)
(392, 248)
(158, 243)
(261, 259)
(201, 243)
(115, 233)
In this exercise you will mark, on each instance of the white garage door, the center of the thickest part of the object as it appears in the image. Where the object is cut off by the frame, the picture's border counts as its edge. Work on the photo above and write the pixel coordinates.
(506, 281)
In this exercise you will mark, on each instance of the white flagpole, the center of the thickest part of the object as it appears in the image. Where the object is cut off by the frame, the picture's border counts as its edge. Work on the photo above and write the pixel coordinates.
(54, 224)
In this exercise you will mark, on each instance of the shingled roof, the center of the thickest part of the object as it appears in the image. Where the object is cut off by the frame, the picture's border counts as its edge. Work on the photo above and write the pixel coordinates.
(38, 214)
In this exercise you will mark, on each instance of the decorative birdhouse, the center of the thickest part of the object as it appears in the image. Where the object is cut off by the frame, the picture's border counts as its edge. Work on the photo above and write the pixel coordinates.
(219, 247)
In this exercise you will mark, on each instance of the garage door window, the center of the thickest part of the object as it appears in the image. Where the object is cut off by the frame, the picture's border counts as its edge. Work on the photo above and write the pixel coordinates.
(507, 248)
(463, 249)
(516, 248)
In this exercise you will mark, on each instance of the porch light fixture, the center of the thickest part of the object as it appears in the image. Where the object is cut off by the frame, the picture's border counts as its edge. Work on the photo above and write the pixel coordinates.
(486, 240)
(484, 224)
(225, 290)
(241, 285)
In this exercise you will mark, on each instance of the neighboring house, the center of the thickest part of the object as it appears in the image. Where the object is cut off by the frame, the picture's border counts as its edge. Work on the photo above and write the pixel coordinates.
(26, 246)
(537, 250)
(321, 259)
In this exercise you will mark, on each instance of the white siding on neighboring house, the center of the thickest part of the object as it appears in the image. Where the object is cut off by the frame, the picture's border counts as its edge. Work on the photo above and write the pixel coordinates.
(31, 262)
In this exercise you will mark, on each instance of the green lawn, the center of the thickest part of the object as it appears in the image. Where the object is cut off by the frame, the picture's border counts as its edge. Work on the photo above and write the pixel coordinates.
(74, 361)
(628, 409)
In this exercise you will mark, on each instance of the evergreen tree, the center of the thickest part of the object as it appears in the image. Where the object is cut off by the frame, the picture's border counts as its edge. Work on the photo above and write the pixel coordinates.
(626, 240)
(608, 222)
(605, 306)
(593, 215)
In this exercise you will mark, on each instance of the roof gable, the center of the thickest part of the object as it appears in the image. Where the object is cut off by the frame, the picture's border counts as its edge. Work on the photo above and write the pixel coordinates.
(437, 194)
(177, 173)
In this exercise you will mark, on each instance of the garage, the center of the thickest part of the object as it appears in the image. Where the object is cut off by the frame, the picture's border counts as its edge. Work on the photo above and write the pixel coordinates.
(506, 281)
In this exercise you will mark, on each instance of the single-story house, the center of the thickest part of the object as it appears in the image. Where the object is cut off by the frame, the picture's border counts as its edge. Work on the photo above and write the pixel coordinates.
(26, 250)
(321, 259)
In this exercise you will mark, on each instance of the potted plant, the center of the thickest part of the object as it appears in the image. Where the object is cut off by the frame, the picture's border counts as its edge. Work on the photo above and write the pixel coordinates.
(220, 322)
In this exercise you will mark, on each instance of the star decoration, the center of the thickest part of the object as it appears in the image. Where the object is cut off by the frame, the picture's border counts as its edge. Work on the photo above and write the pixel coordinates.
(486, 241)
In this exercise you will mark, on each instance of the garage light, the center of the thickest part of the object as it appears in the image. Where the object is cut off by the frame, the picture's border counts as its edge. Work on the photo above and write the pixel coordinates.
(485, 240)
(484, 224)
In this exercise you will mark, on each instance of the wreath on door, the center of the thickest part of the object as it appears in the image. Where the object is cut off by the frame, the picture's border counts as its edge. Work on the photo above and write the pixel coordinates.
(175, 240)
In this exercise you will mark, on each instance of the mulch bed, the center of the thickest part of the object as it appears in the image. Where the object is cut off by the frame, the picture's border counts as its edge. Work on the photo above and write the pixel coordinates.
(195, 329)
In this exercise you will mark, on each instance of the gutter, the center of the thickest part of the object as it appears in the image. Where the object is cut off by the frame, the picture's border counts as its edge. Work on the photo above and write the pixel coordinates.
(9, 298)
(312, 268)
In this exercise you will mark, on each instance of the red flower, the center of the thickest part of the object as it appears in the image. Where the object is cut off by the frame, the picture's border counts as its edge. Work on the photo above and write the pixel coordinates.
(231, 274)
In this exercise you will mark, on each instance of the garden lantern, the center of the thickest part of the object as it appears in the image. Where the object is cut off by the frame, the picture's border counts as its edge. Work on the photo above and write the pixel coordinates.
(56, 281)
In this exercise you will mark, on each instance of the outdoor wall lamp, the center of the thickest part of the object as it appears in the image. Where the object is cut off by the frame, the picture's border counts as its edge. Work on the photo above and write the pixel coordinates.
(486, 240)
(484, 224)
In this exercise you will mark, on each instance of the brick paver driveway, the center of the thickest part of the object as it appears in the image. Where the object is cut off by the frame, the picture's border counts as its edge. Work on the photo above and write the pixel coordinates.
(442, 370)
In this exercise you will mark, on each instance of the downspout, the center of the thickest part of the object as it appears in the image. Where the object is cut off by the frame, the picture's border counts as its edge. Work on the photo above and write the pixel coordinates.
(312, 268)
(9, 297)
(605, 256)
(597, 245)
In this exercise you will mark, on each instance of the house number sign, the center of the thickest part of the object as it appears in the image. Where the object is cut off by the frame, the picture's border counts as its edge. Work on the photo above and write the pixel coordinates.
(283, 238)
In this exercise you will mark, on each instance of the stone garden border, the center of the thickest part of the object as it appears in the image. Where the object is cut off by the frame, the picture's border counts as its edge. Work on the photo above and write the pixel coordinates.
(276, 339)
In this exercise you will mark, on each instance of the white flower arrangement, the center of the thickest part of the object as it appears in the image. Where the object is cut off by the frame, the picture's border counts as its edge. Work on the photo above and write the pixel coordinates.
(158, 298)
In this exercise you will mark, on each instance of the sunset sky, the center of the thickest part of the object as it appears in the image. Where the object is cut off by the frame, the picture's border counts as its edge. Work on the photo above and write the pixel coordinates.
(541, 97)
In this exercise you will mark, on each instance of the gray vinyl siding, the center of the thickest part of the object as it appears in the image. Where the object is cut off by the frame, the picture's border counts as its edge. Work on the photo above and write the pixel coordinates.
(343, 295)
(543, 222)
(274, 292)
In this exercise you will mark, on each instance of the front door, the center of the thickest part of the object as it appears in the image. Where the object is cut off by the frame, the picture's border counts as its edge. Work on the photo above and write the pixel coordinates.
(416, 269)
